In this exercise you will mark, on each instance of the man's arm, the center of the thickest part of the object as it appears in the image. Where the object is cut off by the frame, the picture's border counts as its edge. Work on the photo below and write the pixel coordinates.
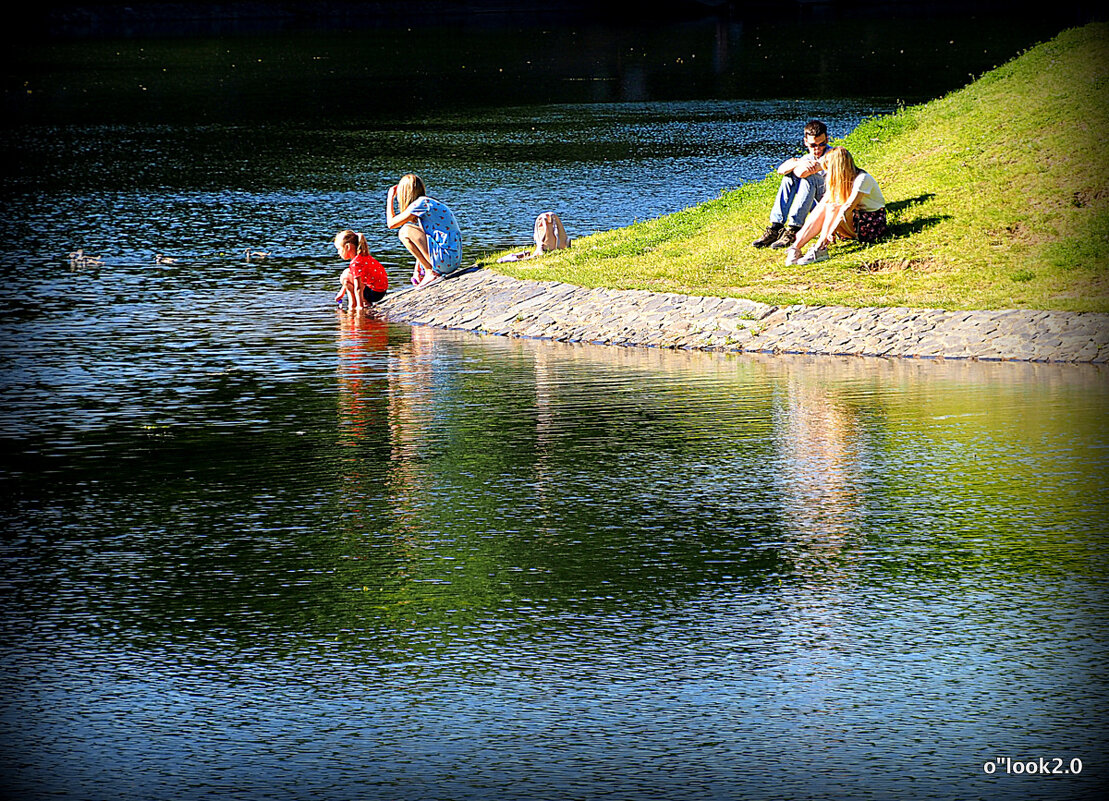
(806, 166)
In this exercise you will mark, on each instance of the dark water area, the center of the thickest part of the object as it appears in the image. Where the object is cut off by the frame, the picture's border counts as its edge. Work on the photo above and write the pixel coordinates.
(345, 68)
(257, 548)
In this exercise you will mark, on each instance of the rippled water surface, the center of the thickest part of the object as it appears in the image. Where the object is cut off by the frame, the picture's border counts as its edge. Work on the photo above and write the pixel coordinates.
(284, 554)
(255, 548)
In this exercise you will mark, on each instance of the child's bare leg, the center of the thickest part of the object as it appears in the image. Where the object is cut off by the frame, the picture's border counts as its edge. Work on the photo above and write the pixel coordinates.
(357, 293)
(415, 240)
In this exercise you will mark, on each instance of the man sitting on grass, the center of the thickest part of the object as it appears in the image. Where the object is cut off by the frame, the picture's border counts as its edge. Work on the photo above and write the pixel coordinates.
(802, 186)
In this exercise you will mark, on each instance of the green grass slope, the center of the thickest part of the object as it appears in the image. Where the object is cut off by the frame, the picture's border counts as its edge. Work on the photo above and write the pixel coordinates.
(997, 194)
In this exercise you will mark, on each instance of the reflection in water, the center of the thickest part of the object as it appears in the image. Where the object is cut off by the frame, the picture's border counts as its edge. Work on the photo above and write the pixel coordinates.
(820, 474)
(410, 395)
(821, 485)
(364, 401)
(363, 378)
(255, 549)
(546, 426)
(525, 569)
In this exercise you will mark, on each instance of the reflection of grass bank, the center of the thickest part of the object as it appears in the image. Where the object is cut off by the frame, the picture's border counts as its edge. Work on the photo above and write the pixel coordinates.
(997, 197)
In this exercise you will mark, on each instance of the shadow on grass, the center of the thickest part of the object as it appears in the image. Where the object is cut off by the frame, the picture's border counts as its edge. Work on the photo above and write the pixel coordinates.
(897, 205)
(899, 230)
(909, 227)
(903, 230)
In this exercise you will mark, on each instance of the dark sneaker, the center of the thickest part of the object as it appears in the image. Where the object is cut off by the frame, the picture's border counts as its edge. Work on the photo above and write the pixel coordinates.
(772, 232)
(788, 237)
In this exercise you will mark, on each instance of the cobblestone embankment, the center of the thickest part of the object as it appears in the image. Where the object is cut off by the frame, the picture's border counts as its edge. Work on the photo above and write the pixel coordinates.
(488, 302)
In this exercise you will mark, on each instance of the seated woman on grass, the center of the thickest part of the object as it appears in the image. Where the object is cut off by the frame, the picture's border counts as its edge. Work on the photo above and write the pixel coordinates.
(852, 208)
(428, 230)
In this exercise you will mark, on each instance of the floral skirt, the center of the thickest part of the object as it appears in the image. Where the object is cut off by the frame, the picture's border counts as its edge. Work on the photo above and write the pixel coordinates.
(870, 226)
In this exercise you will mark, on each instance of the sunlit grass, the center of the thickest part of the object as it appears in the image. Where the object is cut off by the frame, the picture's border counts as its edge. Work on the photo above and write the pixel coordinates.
(997, 198)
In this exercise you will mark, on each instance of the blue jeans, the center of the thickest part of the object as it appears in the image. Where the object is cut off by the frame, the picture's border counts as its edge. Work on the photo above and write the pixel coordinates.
(796, 197)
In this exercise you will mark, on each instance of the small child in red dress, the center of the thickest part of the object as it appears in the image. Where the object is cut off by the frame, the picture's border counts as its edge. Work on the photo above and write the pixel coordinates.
(364, 281)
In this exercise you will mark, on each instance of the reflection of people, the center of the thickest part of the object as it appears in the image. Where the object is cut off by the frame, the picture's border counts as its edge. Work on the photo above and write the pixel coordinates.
(428, 230)
(409, 479)
(820, 471)
(853, 208)
(365, 280)
(362, 419)
(363, 350)
(802, 185)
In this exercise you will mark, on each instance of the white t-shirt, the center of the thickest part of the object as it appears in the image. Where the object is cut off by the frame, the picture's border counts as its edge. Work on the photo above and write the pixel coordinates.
(869, 195)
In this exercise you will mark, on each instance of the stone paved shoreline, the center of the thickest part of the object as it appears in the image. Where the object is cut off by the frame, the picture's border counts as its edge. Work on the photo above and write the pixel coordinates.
(488, 302)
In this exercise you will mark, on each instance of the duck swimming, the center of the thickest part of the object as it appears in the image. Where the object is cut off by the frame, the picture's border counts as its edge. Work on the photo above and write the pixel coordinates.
(79, 259)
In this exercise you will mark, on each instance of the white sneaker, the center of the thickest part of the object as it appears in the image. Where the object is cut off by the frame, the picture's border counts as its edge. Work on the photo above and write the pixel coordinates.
(814, 255)
(792, 255)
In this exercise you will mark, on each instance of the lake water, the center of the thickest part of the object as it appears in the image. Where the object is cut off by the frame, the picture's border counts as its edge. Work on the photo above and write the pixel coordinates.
(255, 548)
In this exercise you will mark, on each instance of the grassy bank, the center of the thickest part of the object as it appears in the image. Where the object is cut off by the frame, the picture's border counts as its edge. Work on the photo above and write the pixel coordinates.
(998, 197)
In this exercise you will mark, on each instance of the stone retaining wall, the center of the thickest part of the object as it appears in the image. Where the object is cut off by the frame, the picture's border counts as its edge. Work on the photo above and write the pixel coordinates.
(488, 302)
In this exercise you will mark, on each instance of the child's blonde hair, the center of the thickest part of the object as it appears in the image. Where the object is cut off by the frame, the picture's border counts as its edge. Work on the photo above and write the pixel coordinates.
(353, 239)
(841, 172)
(409, 188)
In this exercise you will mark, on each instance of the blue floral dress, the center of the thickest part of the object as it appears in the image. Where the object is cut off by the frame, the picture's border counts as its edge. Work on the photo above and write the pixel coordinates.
(444, 239)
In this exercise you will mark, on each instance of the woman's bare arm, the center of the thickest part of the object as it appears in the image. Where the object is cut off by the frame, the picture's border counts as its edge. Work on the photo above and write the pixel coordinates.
(392, 219)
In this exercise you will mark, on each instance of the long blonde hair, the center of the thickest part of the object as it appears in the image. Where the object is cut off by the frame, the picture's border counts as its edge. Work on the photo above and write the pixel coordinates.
(354, 240)
(409, 188)
(841, 171)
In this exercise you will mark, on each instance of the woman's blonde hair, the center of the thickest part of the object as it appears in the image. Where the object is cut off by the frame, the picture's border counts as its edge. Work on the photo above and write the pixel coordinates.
(409, 188)
(841, 171)
(354, 240)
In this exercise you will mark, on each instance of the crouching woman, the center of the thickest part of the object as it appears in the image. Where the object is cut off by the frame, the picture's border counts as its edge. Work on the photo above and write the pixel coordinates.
(852, 208)
(428, 230)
